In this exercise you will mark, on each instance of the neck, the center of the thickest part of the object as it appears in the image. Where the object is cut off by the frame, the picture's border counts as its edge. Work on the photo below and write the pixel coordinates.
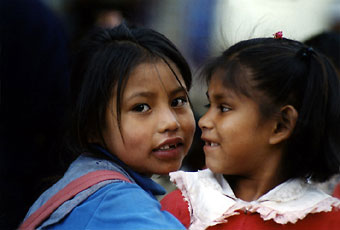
(252, 186)
(249, 189)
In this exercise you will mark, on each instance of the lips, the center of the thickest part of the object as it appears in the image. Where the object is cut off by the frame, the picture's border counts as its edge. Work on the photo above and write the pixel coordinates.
(169, 149)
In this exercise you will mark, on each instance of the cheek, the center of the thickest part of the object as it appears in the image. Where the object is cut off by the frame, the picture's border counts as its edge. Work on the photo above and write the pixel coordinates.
(225, 129)
(135, 136)
(233, 128)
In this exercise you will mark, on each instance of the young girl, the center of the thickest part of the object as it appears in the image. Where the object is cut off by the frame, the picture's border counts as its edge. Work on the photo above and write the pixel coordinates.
(131, 115)
(272, 129)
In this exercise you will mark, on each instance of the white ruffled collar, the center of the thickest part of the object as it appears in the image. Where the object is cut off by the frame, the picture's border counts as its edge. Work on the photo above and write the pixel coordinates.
(211, 199)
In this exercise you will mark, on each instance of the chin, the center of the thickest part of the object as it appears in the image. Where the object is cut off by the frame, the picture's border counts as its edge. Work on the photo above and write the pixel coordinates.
(214, 168)
(168, 169)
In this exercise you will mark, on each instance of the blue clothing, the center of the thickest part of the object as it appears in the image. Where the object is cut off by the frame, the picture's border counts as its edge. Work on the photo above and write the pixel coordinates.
(110, 204)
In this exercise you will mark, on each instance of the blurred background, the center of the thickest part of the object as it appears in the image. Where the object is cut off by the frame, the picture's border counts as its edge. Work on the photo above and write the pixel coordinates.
(37, 38)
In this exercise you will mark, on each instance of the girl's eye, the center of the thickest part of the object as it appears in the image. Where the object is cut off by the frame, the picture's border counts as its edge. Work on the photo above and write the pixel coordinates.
(178, 102)
(141, 108)
(224, 108)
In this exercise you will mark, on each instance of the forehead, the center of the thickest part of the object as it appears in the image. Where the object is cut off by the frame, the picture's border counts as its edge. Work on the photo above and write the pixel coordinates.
(217, 88)
(237, 81)
(155, 76)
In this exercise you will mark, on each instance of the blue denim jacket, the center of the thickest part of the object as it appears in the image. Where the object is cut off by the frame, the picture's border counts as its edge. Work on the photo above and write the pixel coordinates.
(109, 204)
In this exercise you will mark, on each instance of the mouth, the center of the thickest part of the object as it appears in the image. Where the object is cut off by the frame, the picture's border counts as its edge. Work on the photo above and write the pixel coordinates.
(169, 149)
(211, 144)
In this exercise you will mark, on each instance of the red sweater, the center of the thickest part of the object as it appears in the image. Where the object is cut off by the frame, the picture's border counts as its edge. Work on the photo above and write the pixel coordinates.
(336, 192)
(175, 204)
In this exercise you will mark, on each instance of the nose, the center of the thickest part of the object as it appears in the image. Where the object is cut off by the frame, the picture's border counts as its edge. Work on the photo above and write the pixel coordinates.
(168, 121)
(205, 122)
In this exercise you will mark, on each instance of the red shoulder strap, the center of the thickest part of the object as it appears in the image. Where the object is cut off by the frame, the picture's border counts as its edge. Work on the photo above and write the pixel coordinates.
(67, 193)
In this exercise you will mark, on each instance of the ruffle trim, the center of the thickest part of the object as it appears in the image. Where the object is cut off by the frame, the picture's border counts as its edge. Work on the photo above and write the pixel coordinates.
(281, 218)
(184, 182)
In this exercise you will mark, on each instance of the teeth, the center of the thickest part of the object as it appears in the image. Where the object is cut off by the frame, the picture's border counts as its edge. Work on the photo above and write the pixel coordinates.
(166, 147)
(211, 144)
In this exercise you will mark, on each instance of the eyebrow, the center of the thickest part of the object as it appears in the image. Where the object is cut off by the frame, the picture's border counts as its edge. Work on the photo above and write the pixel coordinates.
(152, 94)
(220, 96)
(141, 94)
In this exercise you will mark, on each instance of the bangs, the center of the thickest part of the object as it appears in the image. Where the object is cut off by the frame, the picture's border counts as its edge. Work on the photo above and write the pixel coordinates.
(235, 76)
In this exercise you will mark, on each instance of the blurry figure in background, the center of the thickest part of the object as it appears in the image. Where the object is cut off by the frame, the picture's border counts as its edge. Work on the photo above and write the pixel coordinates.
(328, 43)
(83, 15)
(109, 18)
(34, 91)
(198, 22)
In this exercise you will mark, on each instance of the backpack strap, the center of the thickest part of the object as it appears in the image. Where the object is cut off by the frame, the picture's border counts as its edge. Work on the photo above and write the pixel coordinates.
(69, 191)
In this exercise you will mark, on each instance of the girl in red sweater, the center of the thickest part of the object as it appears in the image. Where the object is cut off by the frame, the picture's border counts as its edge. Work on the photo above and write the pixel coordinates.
(272, 130)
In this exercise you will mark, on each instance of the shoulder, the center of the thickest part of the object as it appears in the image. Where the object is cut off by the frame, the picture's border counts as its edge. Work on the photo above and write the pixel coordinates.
(126, 192)
(321, 221)
(336, 192)
(82, 166)
(175, 203)
(123, 205)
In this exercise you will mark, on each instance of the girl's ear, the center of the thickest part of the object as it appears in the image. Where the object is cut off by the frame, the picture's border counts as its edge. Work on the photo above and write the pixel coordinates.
(285, 124)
